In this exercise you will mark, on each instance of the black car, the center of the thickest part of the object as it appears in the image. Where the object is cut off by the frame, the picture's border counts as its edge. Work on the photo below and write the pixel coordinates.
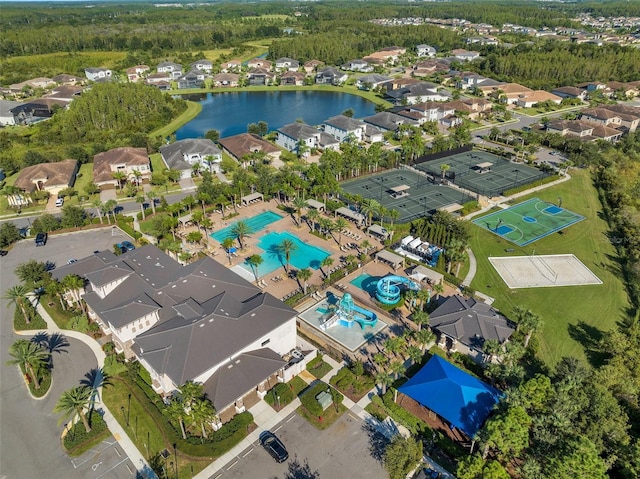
(41, 239)
(126, 246)
(274, 446)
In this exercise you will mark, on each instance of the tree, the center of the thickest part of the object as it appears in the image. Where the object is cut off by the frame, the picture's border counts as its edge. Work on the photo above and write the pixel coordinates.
(340, 224)
(577, 458)
(194, 237)
(304, 275)
(213, 135)
(141, 199)
(9, 234)
(423, 338)
(95, 380)
(298, 204)
(384, 380)
(110, 206)
(227, 244)
(120, 177)
(73, 216)
(255, 260)
(175, 411)
(507, 434)
(312, 216)
(151, 196)
(401, 456)
(443, 169)
(31, 357)
(415, 354)
(17, 296)
(527, 322)
(286, 248)
(32, 272)
(202, 412)
(369, 208)
(73, 284)
(397, 368)
(420, 317)
(241, 230)
(325, 263)
(73, 402)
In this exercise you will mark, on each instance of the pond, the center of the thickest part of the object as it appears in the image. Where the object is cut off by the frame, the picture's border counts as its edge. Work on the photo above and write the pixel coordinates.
(231, 112)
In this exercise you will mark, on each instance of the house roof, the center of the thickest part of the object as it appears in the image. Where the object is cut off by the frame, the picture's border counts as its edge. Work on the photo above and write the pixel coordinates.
(599, 113)
(127, 155)
(59, 174)
(174, 154)
(469, 321)
(6, 106)
(569, 90)
(539, 96)
(344, 123)
(453, 394)
(374, 78)
(601, 131)
(241, 375)
(299, 131)
(571, 125)
(245, 144)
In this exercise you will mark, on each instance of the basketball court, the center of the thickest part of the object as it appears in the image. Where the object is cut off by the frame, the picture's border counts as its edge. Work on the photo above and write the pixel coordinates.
(412, 194)
(528, 221)
(544, 271)
(482, 172)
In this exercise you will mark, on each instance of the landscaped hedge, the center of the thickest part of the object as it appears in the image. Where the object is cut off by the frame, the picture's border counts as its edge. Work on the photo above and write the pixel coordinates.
(309, 401)
(19, 324)
(78, 435)
(239, 421)
(282, 391)
(125, 223)
(346, 380)
(402, 416)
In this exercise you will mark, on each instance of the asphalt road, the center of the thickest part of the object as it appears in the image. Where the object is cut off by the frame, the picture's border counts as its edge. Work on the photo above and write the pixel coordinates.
(346, 449)
(30, 434)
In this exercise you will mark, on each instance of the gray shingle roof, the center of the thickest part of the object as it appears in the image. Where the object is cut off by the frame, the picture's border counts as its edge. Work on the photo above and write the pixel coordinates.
(173, 154)
(299, 131)
(388, 121)
(344, 123)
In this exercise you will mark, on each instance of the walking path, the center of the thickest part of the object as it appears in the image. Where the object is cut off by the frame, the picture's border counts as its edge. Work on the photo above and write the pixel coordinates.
(473, 268)
(116, 429)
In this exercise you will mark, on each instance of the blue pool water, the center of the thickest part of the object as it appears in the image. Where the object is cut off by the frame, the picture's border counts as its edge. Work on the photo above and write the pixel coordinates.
(366, 282)
(255, 223)
(304, 256)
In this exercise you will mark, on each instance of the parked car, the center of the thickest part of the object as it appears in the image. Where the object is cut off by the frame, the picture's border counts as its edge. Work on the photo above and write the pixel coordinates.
(126, 246)
(72, 260)
(41, 239)
(3, 252)
(60, 202)
(274, 446)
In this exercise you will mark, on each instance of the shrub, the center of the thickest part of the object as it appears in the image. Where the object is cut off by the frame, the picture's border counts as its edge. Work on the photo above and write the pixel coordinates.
(402, 416)
(282, 391)
(78, 434)
(309, 401)
(20, 324)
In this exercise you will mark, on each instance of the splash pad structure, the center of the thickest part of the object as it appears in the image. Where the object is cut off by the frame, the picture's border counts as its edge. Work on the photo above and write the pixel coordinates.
(347, 314)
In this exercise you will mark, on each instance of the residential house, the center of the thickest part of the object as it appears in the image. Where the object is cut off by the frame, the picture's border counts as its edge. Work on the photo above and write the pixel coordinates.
(399, 83)
(386, 55)
(471, 80)
(135, 74)
(481, 41)
(606, 133)
(183, 154)
(226, 79)
(192, 79)
(570, 127)
(158, 79)
(418, 93)
(65, 93)
(601, 116)
(527, 100)
(423, 50)
(432, 111)
(260, 76)
(36, 110)
(66, 79)
(6, 115)
(260, 63)
(465, 324)
(465, 55)
(98, 74)
(430, 67)
(627, 90)
(291, 136)
(203, 65)
(357, 66)
(629, 116)
(372, 81)
(282, 64)
(388, 121)
(331, 76)
(344, 128)
(33, 84)
(50, 177)
(312, 66)
(126, 160)
(231, 66)
(174, 70)
(570, 92)
(200, 322)
(242, 146)
(290, 78)
(373, 134)
(505, 92)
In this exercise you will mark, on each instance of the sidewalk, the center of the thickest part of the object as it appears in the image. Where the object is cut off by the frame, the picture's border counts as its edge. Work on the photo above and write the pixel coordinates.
(116, 429)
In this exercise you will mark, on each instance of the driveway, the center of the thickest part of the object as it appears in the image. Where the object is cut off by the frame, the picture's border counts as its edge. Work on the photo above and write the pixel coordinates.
(30, 434)
(347, 449)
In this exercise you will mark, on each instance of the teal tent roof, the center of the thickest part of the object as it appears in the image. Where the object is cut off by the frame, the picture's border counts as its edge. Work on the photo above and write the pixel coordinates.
(453, 394)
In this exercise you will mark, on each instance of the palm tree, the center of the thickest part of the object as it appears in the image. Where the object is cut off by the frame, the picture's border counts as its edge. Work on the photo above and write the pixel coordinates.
(73, 284)
(169, 222)
(95, 380)
(365, 246)
(141, 199)
(202, 412)
(31, 357)
(97, 204)
(381, 361)
(189, 202)
(298, 204)
(438, 289)
(384, 379)
(415, 354)
(109, 207)
(443, 169)
(175, 412)
(528, 322)
(420, 318)
(397, 369)
(340, 224)
(240, 231)
(455, 252)
(17, 296)
(286, 248)
(151, 196)
(492, 349)
(423, 337)
(312, 217)
(55, 288)
(120, 177)
(369, 208)
(393, 345)
(304, 275)
(255, 260)
(227, 244)
(328, 261)
(138, 178)
(74, 401)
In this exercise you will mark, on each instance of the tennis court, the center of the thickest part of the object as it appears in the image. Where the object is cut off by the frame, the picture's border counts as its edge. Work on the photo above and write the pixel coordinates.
(483, 173)
(410, 193)
(529, 221)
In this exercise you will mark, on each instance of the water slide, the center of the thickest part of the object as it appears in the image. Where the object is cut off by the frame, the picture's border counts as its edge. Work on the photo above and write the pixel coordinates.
(348, 313)
(388, 291)
(368, 318)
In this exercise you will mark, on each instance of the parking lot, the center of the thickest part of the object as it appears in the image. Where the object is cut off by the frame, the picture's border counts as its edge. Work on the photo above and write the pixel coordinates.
(106, 460)
(346, 449)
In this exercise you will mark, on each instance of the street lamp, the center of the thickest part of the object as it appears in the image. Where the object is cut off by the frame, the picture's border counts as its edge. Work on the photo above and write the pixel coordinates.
(278, 402)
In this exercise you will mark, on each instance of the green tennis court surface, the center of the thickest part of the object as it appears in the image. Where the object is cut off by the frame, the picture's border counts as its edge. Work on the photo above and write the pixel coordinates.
(529, 221)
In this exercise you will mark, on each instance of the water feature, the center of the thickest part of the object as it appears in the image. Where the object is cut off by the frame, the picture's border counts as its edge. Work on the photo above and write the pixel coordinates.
(255, 224)
(231, 112)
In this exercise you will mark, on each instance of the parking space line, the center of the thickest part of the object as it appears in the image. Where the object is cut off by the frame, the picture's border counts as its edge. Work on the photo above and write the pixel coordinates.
(248, 452)
(218, 476)
(278, 428)
(353, 416)
(117, 451)
(234, 463)
(291, 417)
(108, 471)
(129, 469)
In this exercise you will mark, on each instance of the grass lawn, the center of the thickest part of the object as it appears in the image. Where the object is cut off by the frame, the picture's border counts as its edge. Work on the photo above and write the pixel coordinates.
(573, 316)
(193, 110)
(329, 416)
(53, 307)
(84, 177)
(318, 368)
(157, 165)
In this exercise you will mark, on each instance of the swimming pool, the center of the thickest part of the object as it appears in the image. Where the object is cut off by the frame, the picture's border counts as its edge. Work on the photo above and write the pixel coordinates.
(304, 255)
(255, 224)
(366, 282)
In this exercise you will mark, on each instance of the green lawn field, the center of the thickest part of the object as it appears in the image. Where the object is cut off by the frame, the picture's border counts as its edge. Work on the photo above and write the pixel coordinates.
(574, 316)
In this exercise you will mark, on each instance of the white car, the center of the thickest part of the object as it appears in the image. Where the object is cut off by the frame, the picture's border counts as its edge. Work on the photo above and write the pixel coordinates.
(60, 202)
